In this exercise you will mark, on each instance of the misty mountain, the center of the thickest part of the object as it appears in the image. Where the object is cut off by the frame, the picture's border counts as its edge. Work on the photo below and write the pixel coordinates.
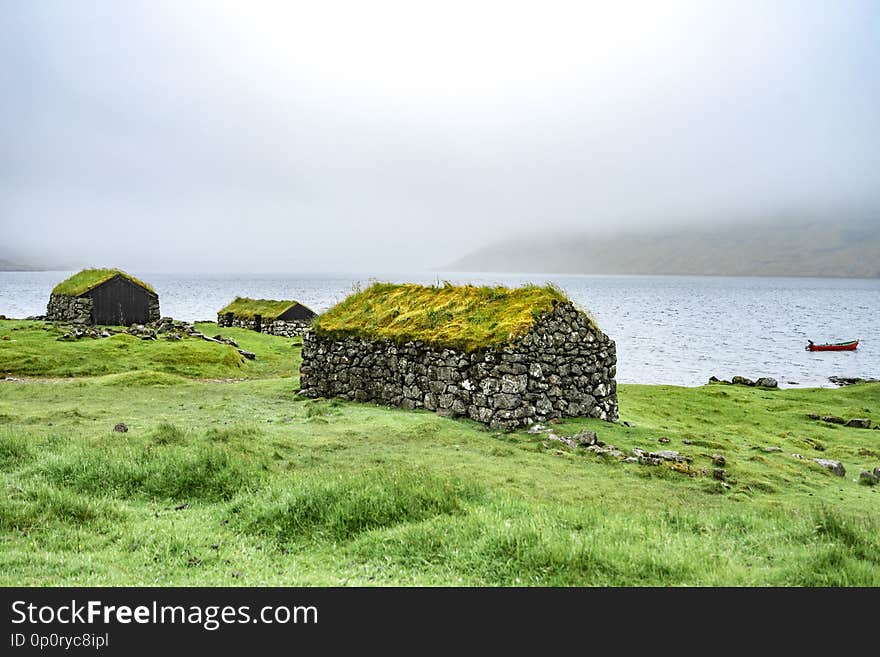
(838, 246)
(29, 262)
(9, 265)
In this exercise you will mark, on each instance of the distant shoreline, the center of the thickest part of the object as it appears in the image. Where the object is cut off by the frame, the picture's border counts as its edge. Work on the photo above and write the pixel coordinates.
(6, 267)
(657, 274)
(481, 272)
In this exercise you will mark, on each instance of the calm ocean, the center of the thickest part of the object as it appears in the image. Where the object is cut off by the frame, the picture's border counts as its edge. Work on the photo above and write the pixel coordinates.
(669, 329)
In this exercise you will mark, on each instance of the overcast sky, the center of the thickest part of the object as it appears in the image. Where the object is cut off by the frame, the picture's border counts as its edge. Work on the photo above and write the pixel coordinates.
(392, 136)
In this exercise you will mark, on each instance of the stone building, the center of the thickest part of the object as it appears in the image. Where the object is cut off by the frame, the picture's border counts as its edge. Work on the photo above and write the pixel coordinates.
(504, 357)
(108, 297)
(284, 318)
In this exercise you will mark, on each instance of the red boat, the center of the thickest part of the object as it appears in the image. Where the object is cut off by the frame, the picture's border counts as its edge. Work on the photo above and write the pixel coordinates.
(852, 345)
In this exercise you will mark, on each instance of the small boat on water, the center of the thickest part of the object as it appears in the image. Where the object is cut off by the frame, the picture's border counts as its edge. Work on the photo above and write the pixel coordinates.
(852, 345)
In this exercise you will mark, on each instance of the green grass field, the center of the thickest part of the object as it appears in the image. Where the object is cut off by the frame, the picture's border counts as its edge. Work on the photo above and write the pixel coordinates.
(227, 477)
(33, 350)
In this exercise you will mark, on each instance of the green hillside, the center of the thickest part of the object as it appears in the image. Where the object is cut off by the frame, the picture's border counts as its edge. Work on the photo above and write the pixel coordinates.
(836, 247)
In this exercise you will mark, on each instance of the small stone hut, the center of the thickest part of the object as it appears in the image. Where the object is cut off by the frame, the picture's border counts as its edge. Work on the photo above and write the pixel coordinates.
(109, 297)
(504, 357)
(284, 318)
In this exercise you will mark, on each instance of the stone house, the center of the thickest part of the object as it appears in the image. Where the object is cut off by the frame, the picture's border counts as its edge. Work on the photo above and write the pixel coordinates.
(108, 297)
(504, 357)
(284, 318)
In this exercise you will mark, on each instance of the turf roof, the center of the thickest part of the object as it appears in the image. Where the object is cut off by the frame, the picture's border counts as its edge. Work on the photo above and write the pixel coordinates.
(466, 317)
(266, 308)
(88, 279)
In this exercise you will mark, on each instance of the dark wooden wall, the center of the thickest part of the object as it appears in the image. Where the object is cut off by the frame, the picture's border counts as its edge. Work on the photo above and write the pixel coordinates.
(119, 302)
(299, 312)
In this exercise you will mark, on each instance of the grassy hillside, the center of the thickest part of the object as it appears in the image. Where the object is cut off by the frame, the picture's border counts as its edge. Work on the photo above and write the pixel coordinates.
(462, 317)
(248, 484)
(836, 246)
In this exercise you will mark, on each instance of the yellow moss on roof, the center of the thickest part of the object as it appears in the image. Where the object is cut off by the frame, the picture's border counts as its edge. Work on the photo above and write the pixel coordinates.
(466, 317)
(266, 308)
(88, 279)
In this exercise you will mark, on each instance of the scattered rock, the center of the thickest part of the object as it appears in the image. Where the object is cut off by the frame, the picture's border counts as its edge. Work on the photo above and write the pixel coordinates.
(122, 427)
(631, 459)
(833, 419)
(650, 460)
(850, 380)
(628, 424)
(605, 450)
(535, 429)
(670, 455)
(236, 574)
(581, 439)
(181, 507)
(793, 383)
(870, 478)
(250, 355)
(719, 460)
(664, 440)
(771, 449)
(836, 467)
(562, 439)
(859, 423)
(229, 341)
(585, 438)
(761, 382)
(798, 456)
(687, 442)
(719, 474)
(813, 416)
(215, 546)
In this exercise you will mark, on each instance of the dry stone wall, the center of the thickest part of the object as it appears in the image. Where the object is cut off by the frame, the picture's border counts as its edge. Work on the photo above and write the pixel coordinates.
(283, 328)
(63, 308)
(564, 367)
(154, 312)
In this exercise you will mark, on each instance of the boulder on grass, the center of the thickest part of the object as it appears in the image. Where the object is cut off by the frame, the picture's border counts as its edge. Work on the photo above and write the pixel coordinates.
(836, 467)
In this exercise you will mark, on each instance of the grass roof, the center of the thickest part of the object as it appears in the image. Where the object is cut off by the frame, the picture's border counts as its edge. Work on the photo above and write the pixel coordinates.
(88, 279)
(467, 317)
(266, 308)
